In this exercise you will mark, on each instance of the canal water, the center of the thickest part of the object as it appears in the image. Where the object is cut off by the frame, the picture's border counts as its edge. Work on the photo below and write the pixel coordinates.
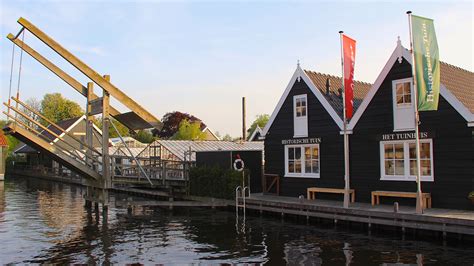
(43, 222)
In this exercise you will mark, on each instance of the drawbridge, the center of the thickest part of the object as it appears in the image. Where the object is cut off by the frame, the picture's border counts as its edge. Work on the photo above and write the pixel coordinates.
(31, 127)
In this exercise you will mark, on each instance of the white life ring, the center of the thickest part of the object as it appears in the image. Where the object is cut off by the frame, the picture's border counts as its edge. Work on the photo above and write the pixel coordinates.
(236, 166)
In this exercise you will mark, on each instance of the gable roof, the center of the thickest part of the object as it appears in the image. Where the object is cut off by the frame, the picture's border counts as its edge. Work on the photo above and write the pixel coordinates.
(456, 86)
(314, 80)
(257, 130)
(3, 139)
(67, 125)
(211, 133)
(333, 96)
(459, 82)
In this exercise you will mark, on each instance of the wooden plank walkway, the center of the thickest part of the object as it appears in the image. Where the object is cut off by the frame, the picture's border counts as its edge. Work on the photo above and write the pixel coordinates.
(170, 204)
(442, 220)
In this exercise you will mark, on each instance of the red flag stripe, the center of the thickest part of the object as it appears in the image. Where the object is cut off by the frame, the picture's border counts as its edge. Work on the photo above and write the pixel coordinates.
(349, 50)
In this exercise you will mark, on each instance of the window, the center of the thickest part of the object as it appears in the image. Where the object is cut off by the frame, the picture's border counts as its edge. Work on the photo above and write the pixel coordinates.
(398, 160)
(394, 159)
(302, 161)
(425, 159)
(300, 117)
(403, 108)
(403, 93)
(294, 160)
(300, 108)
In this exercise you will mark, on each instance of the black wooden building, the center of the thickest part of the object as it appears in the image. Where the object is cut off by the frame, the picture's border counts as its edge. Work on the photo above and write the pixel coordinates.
(303, 141)
(382, 145)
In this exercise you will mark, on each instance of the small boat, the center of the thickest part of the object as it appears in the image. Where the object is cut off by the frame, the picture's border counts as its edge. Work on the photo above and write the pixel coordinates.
(2, 177)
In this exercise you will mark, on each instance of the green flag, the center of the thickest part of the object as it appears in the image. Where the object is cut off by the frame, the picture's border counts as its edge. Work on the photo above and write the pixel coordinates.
(426, 54)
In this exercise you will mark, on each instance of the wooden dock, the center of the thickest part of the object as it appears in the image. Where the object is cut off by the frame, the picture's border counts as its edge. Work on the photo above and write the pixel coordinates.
(440, 220)
(171, 204)
(434, 219)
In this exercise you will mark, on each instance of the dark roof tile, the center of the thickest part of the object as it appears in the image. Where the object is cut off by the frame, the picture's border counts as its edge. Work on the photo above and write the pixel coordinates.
(333, 96)
(459, 82)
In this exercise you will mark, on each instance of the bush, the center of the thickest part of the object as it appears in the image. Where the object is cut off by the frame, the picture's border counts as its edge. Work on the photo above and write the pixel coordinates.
(214, 182)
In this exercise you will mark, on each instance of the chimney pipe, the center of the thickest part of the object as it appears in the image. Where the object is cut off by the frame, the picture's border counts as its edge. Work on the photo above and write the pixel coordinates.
(328, 86)
(244, 127)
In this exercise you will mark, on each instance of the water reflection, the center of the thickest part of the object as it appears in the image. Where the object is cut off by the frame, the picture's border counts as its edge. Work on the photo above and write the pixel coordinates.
(47, 223)
(2, 202)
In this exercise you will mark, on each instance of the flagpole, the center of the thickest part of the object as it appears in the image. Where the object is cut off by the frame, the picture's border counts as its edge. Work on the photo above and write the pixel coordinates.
(346, 137)
(419, 201)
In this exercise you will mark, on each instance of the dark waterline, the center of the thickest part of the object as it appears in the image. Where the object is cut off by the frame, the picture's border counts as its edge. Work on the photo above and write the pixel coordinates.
(43, 222)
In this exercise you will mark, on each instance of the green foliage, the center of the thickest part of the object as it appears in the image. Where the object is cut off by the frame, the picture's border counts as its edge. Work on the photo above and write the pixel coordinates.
(112, 132)
(56, 108)
(260, 120)
(12, 142)
(227, 137)
(189, 131)
(144, 136)
(171, 122)
(214, 182)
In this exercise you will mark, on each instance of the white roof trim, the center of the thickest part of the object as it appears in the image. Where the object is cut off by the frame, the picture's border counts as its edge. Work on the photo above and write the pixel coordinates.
(70, 127)
(255, 131)
(299, 73)
(19, 148)
(282, 100)
(400, 51)
(212, 133)
(319, 95)
(458, 105)
(397, 54)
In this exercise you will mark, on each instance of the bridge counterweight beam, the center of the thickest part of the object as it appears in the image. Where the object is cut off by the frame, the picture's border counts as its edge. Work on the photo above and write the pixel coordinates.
(92, 74)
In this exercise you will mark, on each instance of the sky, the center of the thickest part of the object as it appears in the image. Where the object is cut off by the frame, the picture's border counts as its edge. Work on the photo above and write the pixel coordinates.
(202, 57)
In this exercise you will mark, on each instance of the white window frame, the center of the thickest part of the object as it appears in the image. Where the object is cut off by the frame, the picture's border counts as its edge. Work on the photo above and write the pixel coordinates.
(395, 105)
(406, 158)
(301, 120)
(303, 161)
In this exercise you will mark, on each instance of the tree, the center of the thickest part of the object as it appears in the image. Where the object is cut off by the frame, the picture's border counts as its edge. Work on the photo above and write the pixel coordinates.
(144, 136)
(227, 137)
(56, 108)
(34, 104)
(189, 131)
(12, 142)
(124, 131)
(171, 122)
(260, 120)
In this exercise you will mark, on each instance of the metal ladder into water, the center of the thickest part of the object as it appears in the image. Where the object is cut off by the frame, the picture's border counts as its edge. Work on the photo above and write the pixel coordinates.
(241, 193)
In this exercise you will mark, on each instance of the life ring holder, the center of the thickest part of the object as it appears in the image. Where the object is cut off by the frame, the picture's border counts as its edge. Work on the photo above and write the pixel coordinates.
(236, 165)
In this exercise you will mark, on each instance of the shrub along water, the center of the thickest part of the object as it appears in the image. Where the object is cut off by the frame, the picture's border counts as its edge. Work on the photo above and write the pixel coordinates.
(214, 182)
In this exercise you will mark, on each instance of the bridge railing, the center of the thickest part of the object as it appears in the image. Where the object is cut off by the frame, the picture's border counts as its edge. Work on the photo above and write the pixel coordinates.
(155, 169)
(23, 115)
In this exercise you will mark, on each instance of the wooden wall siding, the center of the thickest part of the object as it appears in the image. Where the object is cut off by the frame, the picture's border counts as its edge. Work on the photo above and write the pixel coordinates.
(320, 124)
(453, 149)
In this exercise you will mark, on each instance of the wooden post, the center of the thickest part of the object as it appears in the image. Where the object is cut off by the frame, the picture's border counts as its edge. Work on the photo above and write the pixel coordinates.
(163, 173)
(106, 182)
(244, 130)
(89, 124)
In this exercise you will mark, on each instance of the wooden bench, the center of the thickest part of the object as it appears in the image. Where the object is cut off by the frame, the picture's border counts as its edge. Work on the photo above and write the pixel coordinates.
(377, 194)
(311, 192)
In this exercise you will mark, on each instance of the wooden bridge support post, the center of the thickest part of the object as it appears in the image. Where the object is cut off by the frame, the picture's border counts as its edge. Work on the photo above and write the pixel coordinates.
(89, 124)
(106, 171)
